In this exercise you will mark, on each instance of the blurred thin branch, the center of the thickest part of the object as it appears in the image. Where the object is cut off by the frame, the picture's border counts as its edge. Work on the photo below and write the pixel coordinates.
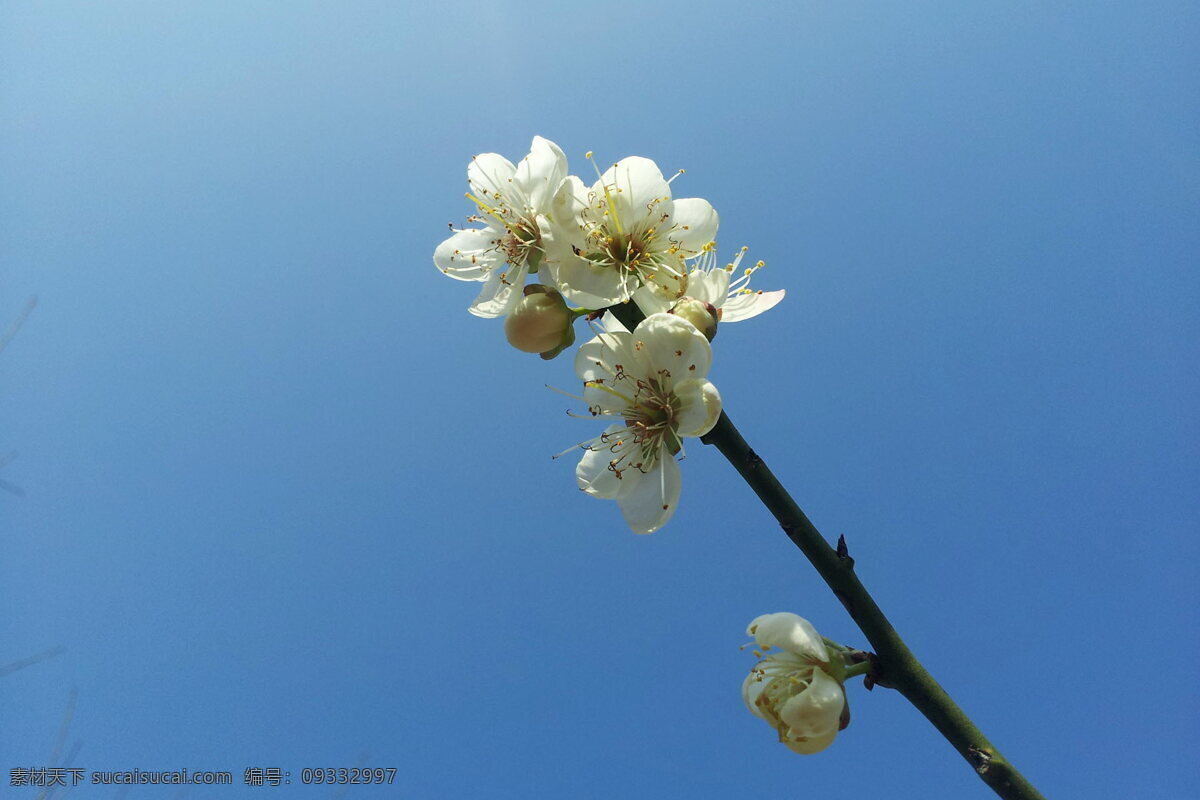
(5, 485)
(46, 793)
(4, 340)
(36, 658)
(16, 326)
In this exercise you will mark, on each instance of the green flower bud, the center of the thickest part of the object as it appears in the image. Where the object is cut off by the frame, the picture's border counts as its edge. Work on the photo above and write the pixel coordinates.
(540, 323)
(702, 315)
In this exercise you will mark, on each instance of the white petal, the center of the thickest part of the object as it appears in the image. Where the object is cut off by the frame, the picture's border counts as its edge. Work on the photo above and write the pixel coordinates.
(700, 407)
(489, 175)
(594, 475)
(743, 306)
(597, 358)
(637, 189)
(652, 500)
(651, 302)
(667, 284)
(790, 632)
(674, 344)
(566, 208)
(816, 711)
(540, 173)
(586, 285)
(810, 746)
(695, 222)
(711, 287)
(500, 292)
(752, 687)
(612, 324)
(469, 254)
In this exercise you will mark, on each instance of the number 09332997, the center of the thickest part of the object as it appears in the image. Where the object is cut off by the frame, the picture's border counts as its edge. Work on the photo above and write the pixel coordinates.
(348, 775)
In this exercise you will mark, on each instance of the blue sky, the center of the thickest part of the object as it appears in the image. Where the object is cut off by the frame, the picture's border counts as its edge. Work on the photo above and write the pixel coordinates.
(288, 505)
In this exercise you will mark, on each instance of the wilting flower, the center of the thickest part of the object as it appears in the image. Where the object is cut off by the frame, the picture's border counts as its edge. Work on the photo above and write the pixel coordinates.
(653, 381)
(793, 689)
(510, 200)
(710, 282)
(625, 232)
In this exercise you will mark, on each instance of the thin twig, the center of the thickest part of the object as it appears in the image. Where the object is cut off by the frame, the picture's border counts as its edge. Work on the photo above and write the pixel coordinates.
(16, 326)
(29, 661)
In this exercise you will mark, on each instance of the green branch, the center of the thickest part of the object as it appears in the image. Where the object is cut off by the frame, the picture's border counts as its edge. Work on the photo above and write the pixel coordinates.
(894, 665)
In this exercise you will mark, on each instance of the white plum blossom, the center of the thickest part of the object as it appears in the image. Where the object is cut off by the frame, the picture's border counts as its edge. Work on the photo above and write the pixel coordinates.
(511, 202)
(792, 689)
(713, 283)
(653, 381)
(605, 242)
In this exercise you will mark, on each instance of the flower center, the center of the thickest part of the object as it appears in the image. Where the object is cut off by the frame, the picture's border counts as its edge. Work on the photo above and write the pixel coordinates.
(651, 418)
(624, 251)
(521, 243)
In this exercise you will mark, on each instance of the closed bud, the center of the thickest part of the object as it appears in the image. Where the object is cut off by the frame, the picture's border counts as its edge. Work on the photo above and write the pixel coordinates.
(540, 322)
(701, 314)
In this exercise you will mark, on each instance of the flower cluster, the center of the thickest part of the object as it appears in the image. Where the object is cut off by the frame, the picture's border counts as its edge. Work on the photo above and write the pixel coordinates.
(550, 249)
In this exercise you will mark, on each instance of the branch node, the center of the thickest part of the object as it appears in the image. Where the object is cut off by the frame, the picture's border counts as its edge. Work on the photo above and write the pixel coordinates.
(858, 657)
(843, 552)
(877, 676)
(752, 459)
(981, 759)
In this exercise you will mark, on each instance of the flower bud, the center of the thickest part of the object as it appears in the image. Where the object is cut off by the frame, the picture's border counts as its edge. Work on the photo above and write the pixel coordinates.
(540, 322)
(702, 315)
(797, 686)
